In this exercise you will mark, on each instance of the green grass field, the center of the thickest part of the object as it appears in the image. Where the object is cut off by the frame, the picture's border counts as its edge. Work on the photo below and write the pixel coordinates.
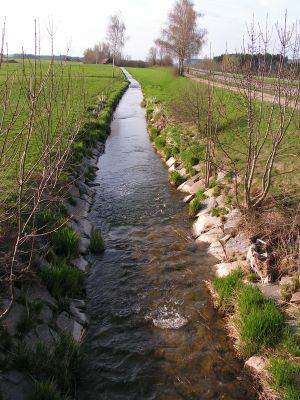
(69, 92)
(162, 85)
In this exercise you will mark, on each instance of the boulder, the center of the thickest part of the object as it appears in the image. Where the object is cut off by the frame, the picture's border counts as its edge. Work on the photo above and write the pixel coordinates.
(295, 298)
(233, 219)
(12, 320)
(256, 364)
(78, 314)
(224, 269)
(41, 334)
(172, 168)
(221, 175)
(216, 249)
(213, 235)
(204, 223)
(209, 192)
(207, 206)
(80, 210)
(85, 227)
(80, 263)
(188, 198)
(68, 326)
(171, 161)
(199, 185)
(186, 186)
(84, 245)
(33, 293)
(221, 200)
(182, 172)
(45, 315)
(14, 385)
(271, 291)
(237, 246)
(286, 280)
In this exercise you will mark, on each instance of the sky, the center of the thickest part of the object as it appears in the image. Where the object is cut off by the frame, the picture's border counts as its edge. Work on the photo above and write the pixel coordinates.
(81, 24)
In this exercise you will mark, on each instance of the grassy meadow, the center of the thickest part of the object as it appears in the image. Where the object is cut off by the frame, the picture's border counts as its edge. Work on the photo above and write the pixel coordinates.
(163, 89)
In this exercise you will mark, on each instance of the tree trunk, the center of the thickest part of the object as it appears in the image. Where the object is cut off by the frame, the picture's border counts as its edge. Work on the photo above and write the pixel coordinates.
(113, 67)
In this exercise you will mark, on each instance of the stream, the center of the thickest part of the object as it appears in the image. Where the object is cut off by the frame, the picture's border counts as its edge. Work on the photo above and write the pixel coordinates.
(154, 333)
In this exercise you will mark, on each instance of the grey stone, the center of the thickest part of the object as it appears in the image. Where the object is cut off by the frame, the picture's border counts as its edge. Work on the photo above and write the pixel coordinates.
(87, 198)
(80, 263)
(224, 269)
(85, 227)
(237, 246)
(45, 315)
(78, 315)
(286, 280)
(188, 198)
(16, 314)
(186, 187)
(41, 262)
(199, 185)
(79, 303)
(216, 249)
(80, 210)
(74, 192)
(207, 206)
(233, 219)
(270, 291)
(14, 385)
(221, 200)
(41, 334)
(204, 223)
(171, 161)
(295, 298)
(210, 236)
(221, 175)
(33, 293)
(294, 325)
(209, 192)
(67, 325)
(256, 364)
(84, 245)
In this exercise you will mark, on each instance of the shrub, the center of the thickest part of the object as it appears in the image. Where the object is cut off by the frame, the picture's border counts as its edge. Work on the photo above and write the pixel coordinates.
(227, 286)
(44, 390)
(65, 241)
(63, 280)
(97, 244)
(153, 132)
(175, 178)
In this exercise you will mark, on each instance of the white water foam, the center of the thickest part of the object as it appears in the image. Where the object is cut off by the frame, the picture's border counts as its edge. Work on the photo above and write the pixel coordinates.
(167, 318)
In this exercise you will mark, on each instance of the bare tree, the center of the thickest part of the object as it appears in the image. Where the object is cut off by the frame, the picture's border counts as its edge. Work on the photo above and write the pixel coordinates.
(152, 55)
(182, 38)
(115, 37)
(269, 94)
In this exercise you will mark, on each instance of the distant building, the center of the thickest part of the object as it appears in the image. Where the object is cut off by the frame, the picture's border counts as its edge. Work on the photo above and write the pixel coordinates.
(105, 61)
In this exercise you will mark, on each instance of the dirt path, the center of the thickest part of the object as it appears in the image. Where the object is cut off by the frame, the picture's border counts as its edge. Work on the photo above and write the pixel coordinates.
(270, 98)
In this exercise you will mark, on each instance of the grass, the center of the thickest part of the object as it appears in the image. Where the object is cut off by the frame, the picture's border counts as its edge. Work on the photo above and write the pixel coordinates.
(63, 280)
(65, 242)
(196, 204)
(175, 178)
(53, 369)
(97, 244)
(285, 378)
(225, 288)
(162, 88)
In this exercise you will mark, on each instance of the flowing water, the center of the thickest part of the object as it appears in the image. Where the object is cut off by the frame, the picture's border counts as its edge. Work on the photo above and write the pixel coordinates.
(154, 333)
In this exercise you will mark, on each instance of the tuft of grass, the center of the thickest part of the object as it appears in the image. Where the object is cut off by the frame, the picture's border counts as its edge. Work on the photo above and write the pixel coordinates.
(58, 364)
(261, 324)
(65, 242)
(285, 378)
(227, 287)
(175, 178)
(196, 204)
(213, 183)
(63, 280)
(44, 390)
(97, 244)
(219, 212)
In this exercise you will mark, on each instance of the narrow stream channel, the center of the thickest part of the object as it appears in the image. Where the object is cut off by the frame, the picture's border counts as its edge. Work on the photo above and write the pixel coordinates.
(154, 333)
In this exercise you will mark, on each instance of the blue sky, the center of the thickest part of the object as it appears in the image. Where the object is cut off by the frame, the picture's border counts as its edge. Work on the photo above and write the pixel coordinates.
(84, 23)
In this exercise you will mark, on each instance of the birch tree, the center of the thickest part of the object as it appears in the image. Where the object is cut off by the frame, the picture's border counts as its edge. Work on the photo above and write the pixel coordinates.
(115, 37)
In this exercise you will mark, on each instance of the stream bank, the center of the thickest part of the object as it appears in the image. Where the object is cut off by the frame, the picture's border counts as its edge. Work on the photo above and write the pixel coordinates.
(40, 337)
(154, 333)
